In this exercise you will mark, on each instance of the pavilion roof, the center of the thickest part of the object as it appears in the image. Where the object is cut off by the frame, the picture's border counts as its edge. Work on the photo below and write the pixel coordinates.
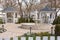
(47, 9)
(9, 9)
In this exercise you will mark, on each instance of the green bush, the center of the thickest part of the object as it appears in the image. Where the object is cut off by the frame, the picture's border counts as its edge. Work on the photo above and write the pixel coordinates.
(31, 20)
(57, 20)
(21, 20)
(25, 20)
(38, 34)
(1, 22)
(42, 34)
(57, 30)
(11, 38)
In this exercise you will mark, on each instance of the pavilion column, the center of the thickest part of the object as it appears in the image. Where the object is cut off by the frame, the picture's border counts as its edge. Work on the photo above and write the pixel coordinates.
(6, 18)
(36, 17)
(40, 17)
(14, 18)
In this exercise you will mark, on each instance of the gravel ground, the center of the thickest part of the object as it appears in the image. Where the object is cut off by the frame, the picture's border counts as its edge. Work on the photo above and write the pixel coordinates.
(13, 30)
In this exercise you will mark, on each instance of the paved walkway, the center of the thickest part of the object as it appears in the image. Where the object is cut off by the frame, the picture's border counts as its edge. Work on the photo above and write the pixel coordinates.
(13, 30)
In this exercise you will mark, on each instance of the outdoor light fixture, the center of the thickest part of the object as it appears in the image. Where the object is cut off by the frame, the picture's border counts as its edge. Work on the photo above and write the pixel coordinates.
(30, 30)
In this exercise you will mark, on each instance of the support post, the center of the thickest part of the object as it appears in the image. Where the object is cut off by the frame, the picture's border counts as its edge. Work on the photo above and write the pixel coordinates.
(14, 18)
(6, 18)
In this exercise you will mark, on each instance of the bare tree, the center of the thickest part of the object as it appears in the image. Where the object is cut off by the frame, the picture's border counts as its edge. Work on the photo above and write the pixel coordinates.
(20, 8)
(55, 4)
(28, 9)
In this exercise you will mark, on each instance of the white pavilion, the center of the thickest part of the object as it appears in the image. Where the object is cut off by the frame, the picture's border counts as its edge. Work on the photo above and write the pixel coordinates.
(11, 15)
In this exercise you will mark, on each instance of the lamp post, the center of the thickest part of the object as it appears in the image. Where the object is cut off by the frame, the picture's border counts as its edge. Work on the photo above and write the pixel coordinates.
(51, 30)
(30, 30)
(3, 28)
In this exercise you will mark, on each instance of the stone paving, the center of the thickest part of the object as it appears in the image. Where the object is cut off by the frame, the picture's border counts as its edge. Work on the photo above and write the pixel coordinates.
(13, 30)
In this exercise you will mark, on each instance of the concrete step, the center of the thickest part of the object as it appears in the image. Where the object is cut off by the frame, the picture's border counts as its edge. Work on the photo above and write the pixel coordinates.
(38, 26)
